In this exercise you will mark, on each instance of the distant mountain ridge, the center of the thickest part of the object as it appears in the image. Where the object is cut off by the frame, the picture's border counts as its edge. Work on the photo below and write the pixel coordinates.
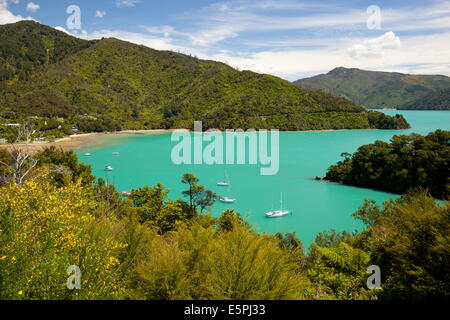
(109, 84)
(375, 89)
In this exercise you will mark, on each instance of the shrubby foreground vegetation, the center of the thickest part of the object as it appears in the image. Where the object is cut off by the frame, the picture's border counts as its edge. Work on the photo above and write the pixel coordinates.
(149, 247)
(404, 163)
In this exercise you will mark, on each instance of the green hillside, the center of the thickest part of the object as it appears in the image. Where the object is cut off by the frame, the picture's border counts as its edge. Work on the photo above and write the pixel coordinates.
(438, 100)
(27, 45)
(113, 84)
(381, 89)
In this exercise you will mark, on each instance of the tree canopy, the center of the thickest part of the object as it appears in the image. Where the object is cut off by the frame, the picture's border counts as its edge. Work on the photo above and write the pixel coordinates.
(406, 162)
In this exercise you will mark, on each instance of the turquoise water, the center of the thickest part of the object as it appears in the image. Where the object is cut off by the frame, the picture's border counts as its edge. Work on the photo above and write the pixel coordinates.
(316, 206)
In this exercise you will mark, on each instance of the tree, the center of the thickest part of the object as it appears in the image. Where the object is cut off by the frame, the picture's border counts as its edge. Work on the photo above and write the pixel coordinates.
(21, 164)
(206, 199)
(331, 238)
(405, 163)
(197, 263)
(409, 241)
(64, 165)
(151, 206)
(229, 219)
(197, 195)
(338, 272)
(194, 188)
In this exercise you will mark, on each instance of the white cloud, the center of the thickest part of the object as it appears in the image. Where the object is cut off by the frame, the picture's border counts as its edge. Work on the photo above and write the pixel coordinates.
(418, 54)
(7, 16)
(33, 7)
(325, 38)
(100, 13)
(127, 3)
(375, 48)
(208, 37)
(428, 54)
(166, 31)
(221, 21)
(59, 28)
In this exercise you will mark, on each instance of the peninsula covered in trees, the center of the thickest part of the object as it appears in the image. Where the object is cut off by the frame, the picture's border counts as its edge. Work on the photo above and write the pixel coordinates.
(406, 162)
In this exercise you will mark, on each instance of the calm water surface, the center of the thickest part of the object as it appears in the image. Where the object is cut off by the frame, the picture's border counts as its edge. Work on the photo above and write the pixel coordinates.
(316, 206)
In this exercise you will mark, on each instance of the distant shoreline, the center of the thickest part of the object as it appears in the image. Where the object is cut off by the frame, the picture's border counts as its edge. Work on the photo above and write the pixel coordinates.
(94, 139)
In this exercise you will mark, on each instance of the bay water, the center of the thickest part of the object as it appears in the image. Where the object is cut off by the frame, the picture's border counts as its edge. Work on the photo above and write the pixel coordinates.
(316, 206)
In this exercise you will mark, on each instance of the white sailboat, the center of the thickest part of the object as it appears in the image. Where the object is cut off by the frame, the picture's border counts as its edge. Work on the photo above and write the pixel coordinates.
(109, 168)
(280, 212)
(227, 200)
(225, 183)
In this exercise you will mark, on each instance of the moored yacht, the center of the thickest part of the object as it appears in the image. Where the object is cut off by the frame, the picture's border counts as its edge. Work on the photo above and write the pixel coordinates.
(278, 213)
(224, 183)
(227, 200)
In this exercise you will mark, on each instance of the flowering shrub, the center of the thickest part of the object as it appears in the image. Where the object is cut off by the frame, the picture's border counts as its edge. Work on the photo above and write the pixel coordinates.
(43, 231)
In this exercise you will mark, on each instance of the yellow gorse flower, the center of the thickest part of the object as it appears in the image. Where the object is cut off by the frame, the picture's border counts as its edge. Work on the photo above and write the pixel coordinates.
(53, 228)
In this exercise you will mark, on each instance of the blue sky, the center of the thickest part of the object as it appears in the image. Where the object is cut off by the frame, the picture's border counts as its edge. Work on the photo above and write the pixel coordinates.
(288, 38)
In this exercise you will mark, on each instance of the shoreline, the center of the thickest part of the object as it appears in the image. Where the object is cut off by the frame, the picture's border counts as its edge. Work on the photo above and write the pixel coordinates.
(87, 140)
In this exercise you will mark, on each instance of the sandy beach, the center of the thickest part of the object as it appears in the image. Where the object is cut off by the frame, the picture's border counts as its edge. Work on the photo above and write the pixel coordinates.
(85, 140)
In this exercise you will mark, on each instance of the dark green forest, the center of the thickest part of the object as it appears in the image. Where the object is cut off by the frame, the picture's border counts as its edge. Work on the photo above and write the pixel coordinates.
(438, 100)
(404, 163)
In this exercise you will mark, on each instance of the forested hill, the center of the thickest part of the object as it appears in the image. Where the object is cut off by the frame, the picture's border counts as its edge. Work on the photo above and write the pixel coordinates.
(437, 100)
(109, 84)
(383, 89)
(27, 45)
(407, 162)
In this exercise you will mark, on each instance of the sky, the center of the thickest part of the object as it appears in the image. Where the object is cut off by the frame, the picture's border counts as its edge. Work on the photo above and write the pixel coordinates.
(287, 38)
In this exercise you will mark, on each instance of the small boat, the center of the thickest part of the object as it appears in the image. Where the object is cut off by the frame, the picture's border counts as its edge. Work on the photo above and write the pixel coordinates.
(109, 168)
(126, 193)
(278, 213)
(88, 154)
(227, 200)
(225, 183)
(116, 153)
